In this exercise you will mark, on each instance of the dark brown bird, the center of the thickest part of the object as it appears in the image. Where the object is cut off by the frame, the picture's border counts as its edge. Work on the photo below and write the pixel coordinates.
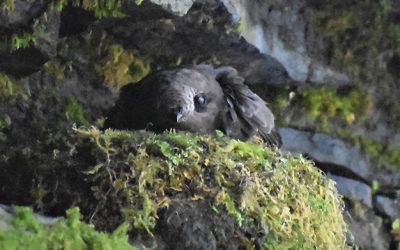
(199, 99)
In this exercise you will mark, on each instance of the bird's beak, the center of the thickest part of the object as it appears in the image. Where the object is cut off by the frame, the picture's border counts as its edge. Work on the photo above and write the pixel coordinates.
(178, 116)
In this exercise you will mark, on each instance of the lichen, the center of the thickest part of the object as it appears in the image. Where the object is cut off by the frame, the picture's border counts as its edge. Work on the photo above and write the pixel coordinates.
(290, 202)
(122, 67)
(28, 233)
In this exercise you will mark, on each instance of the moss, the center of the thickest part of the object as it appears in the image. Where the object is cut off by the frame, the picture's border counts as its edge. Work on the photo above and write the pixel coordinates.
(325, 103)
(7, 85)
(8, 5)
(342, 22)
(27, 232)
(396, 229)
(387, 155)
(75, 112)
(122, 67)
(288, 201)
(56, 68)
(322, 105)
(100, 8)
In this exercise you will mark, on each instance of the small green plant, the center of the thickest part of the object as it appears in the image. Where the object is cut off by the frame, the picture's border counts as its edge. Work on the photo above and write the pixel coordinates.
(7, 86)
(75, 112)
(396, 228)
(26, 232)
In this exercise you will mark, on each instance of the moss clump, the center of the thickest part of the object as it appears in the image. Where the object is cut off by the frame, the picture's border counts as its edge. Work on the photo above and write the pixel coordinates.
(27, 232)
(8, 5)
(285, 199)
(325, 103)
(7, 86)
(75, 112)
(387, 155)
(321, 106)
(122, 67)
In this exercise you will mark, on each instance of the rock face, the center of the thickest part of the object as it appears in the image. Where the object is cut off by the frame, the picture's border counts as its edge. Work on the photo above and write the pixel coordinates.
(284, 37)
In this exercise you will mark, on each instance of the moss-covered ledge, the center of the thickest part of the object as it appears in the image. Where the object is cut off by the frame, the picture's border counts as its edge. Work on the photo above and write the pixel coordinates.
(277, 201)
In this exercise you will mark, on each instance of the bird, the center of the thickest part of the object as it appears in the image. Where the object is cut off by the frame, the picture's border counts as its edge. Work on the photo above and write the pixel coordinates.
(199, 99)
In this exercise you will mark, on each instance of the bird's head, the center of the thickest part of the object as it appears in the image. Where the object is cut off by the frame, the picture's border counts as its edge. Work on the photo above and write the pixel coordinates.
(189, 102)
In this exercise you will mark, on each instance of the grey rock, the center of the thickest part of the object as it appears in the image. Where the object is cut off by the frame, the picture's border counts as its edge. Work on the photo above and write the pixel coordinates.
(211, 46)
(367, 230)
(5, 217)
(178, 7)
(326, 149)
(388, 206)
(339, 155)
(23, 12)
(353, 190)
(277, 28)
(7, 214)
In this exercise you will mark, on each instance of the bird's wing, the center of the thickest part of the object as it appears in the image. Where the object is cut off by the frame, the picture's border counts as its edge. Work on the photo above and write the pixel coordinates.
(246, 113)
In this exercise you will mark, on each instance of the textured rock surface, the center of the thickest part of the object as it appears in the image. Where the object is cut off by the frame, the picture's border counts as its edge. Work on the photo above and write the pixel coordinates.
(388, 206)
(179, 7)
(368, 229)
(284, 37)
(353, 190)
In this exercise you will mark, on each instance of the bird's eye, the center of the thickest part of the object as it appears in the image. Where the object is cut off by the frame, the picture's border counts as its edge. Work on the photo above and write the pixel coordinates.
(200, 99)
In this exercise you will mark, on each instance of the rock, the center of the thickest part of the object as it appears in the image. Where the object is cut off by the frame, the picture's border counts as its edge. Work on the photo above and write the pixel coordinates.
(178, 7)
(193, 225)
(325, 149)
(28, 59)
(281, 32)
(388, 206)
(175, 38)
(367, 230)
(6, 214)
(21, 13)
(353, 190)
(5, 217)
(340, 157)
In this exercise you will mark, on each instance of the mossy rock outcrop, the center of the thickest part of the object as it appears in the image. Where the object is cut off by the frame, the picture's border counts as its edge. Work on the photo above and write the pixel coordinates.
(180, 190)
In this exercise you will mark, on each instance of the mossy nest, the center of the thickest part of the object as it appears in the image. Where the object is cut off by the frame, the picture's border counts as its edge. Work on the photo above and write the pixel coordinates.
(277, 201)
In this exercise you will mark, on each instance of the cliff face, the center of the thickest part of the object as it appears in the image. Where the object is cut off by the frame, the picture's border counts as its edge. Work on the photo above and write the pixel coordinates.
(329, 70)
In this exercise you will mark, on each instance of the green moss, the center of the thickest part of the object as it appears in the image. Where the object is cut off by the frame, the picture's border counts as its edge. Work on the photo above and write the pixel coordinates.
(100, 8)
(7, 86)
(27, 232)
(321, 105)
(394, 35)
(342, 22)
(325, 103)
(387, 155)
(75, 112)
(122, 67)
(56, 68)
(396, 229)
(284, 198)
(8, 5)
